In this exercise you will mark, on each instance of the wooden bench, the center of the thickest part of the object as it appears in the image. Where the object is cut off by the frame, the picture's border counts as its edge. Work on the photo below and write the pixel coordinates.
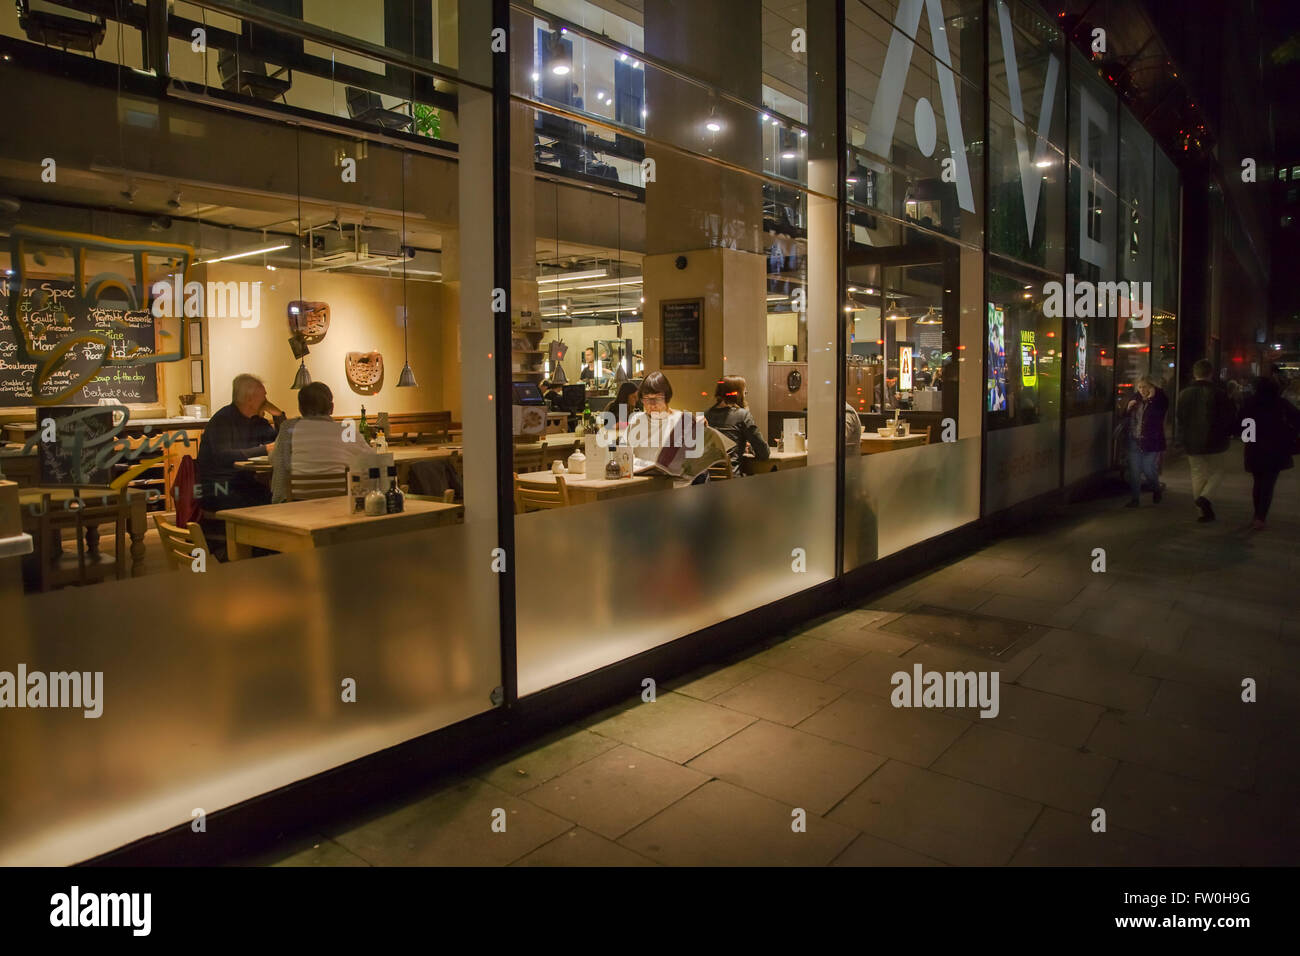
(413, 427)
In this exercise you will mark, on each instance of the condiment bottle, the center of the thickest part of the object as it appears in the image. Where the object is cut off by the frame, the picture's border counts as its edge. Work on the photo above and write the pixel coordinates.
(376, 504)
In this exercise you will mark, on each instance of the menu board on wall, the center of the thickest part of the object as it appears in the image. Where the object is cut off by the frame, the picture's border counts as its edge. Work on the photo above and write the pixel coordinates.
(683, 333)
(43, 306)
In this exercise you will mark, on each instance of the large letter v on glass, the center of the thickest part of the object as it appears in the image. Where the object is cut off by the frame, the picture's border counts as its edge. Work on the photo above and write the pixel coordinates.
(1031, 182)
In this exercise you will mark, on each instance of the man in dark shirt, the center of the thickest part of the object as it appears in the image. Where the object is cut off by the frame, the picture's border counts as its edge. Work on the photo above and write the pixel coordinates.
(235, 433)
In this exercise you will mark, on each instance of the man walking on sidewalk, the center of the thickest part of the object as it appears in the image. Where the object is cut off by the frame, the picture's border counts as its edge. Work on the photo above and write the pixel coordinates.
(1206, 418)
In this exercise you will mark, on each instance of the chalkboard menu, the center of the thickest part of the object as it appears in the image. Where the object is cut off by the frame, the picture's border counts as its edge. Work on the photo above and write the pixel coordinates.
(45, 307)
(683, 333)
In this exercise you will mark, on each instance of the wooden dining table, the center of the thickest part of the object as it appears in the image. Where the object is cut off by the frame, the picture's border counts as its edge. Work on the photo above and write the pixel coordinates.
(583, 490)
(775, 461)
(318, 522)
(30, 498)
(874, 444)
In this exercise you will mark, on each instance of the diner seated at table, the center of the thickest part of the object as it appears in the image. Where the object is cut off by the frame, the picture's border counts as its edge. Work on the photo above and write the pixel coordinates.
(678, 444)
(731, 416)
(852, 430)
(314, 444)
(237, 432)
(554, 396)
(624, 405)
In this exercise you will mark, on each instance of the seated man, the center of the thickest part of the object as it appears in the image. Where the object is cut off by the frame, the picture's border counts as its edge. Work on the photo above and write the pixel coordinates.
(313, 444)
(554, 396)
(234, 433)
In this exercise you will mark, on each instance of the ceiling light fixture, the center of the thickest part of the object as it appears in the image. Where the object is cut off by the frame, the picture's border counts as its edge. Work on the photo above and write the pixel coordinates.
(573, 276)
(243, 255)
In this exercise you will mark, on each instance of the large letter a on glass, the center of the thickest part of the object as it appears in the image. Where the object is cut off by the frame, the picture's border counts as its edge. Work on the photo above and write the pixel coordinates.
(889, 96)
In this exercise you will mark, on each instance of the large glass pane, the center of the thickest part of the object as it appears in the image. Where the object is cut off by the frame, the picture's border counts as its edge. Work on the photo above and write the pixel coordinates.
(914, 125)
(693, 304)
(182, 247)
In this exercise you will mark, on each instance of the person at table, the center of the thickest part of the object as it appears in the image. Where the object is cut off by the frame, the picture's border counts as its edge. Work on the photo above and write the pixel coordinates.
(732, 417)
(246, 428)
(922, 378)
(588, 372)
(624, 405)
(554, 396)
(852, 430)
(314, 444)
(680, 445)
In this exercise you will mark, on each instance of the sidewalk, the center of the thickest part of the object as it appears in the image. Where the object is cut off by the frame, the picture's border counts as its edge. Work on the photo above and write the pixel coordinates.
(1119, 691)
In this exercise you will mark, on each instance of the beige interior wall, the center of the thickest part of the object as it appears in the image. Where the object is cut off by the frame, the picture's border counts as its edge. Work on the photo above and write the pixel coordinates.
(365, 315)
(734, 288)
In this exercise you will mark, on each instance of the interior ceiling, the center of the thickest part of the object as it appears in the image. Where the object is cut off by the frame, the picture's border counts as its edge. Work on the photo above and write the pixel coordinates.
(212, 220)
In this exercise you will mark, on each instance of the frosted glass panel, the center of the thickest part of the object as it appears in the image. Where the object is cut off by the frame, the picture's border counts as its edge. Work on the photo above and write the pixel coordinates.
(1022, 462)
(896, 499)
(221, 686)
(600, 582)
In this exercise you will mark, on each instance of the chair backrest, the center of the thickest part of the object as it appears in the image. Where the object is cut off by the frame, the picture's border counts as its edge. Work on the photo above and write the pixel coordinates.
(179, 543)
(94, 507)
(535, 498)
(720, 470)
(331, 485)
(530, 457)
(923, 431)
(449, 496)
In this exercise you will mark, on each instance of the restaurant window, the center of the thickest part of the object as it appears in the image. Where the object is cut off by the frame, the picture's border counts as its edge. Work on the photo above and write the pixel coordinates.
(245, 642)
(666, 394)
(243, 62)
(911, 309)
(1027, 169)
(913, 133)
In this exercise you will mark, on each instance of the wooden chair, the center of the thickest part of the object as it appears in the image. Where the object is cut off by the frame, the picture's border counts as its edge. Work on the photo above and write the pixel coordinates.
(531, 498)
(93, 510)
(331, 485)
(179, 543)
(923, 431)
(720, 470)
(530, 457)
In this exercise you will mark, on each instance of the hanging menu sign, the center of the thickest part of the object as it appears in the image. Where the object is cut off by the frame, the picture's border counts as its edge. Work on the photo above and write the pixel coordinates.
(683, 333)
(44, 309)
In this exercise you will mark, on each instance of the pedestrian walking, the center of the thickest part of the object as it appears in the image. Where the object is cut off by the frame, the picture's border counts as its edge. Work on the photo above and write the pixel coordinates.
(1146, 439)
(1206, 419)
(1270, 426)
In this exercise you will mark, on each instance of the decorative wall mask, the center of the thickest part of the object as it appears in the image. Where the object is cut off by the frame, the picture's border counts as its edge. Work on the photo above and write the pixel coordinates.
(365, 372)
(311, 320)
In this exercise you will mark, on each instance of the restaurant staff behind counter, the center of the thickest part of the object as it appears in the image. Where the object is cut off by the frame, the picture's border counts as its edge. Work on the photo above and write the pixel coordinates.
(234, 433)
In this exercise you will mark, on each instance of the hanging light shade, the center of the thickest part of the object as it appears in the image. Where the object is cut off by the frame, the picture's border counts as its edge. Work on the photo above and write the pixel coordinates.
(894, 313)
(303, 377)
(407, 378)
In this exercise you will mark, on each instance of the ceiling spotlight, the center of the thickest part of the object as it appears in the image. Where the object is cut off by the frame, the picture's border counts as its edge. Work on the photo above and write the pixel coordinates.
(536, 77)
(851, 180)
(560, 69)
(1043, 163)
(713, 126)
(789, 154)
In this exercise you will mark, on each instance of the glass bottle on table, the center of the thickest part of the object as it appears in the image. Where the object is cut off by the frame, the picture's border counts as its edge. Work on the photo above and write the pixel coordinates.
(394, 500)
(376, 503)
(364, 427)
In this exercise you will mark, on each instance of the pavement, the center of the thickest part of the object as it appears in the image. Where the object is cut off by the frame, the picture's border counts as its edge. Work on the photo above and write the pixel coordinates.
(1121, 738)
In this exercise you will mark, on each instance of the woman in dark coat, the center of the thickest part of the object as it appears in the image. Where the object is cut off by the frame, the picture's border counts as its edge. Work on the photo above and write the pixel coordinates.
(733, 418)
(1146, 439)
(1269, 426)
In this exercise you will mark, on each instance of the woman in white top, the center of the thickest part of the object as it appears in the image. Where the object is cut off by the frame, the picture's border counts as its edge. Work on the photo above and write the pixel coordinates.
(674, 443)
(313, 444)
